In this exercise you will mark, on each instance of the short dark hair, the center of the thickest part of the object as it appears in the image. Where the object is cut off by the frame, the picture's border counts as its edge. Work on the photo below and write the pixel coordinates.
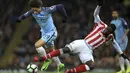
(113, 27)
(116, 9)
(35, 3)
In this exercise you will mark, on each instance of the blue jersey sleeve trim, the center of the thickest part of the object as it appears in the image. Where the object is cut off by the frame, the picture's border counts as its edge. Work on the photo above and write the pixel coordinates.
(124, 24)
(25, 15)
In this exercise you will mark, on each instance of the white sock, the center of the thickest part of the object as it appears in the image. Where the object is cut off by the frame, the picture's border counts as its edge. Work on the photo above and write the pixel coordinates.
(56, 59)
(127, 63)
(121, 62)
(87, 67)
(41, 51)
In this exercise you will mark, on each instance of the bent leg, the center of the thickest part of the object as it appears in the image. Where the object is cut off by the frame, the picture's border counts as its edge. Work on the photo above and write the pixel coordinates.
(40, 50)
(82, 68)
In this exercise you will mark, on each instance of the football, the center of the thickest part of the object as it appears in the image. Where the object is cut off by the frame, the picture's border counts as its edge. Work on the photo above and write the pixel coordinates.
(32, 68)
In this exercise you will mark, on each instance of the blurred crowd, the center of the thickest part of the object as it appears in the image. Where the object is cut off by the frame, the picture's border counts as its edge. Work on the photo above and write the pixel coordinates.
(80, 23)
(10, 9)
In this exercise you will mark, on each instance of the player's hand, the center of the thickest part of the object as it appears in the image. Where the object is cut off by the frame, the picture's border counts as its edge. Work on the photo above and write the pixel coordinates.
(124, 56)
(123, 38)
(100, 2)
(37, 59)
(18, 20)
(64, 20)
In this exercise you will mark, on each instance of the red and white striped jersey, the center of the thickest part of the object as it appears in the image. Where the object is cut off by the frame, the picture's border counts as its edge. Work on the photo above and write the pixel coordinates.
(96, 38)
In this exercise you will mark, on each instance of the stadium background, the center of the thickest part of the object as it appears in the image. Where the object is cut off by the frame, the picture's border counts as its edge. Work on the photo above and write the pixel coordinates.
(17, 39)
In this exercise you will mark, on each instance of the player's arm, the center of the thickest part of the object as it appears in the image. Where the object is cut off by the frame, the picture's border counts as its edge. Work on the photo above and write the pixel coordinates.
(126, 26)
(96, 11)
(118, 49)
(96, 14)
(27, 14)
(58, 8)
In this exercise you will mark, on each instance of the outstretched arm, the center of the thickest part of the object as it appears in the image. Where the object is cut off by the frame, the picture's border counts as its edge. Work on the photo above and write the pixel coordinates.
(61, 10)
(118, 49)
(127, 28)
(58, 8)
(97, 10)
(27, 14)
(96, 14)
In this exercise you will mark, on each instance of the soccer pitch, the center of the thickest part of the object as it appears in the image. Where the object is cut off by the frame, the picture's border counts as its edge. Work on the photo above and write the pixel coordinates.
(55, 72)
(84, 72)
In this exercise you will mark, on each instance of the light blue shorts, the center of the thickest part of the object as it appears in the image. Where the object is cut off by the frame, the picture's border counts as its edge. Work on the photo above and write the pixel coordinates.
(49, 38)
(123, 45)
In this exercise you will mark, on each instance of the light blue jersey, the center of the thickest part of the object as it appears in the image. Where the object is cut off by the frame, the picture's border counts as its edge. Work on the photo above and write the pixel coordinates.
(45, 21)
(121, 26)
(44, 18)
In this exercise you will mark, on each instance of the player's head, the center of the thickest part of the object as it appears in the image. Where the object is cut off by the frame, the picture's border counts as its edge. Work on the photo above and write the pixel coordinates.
(109, 30)
(115, 14)
(35, 5)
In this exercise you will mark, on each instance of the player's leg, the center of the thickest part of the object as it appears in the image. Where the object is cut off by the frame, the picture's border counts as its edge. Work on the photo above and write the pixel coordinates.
(128, 66)
(56, 59)
(46, 37)
(50, 46)
(60, 66)
(122, 67)
(68, 48)
(72, 47)
(126, 61)
(121, 59)
(89, 65)
(40, 50)
(52, 54)
(85, 55)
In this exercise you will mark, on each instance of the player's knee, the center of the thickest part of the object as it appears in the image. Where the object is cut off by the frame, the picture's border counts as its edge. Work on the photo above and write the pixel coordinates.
(37, 45)
(90, 64)
(91, 67)
(66, 50)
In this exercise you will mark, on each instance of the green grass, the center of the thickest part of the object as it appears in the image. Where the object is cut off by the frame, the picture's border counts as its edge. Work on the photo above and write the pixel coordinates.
(55, 72)
(84, 72)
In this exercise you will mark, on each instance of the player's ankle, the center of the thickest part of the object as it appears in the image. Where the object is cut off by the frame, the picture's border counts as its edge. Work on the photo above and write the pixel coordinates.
(36, 59)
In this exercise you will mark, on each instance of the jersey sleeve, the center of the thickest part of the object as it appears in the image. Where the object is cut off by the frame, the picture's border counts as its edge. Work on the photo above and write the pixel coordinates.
(96, 14)
(116, 46)
(29, 13)
(25, 15)
(112, 22)
(110, 37)
(125, 25)
(51, 9)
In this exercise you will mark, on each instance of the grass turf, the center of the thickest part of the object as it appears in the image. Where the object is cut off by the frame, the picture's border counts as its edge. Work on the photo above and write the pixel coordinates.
(84, 72)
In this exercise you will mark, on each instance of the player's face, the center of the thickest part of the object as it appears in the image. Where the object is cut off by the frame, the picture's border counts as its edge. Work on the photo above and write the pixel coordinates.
(36, 10)
(115, 14)
(108, 31)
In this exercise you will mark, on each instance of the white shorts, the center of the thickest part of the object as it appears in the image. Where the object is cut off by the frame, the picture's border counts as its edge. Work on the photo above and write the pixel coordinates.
(83, 50)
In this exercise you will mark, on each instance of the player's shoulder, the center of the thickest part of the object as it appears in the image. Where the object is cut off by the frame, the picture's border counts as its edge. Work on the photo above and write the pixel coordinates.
(48, 8)
(122, 19)
(44, 8)
(112, 20)
(29, 12)
(110, 37)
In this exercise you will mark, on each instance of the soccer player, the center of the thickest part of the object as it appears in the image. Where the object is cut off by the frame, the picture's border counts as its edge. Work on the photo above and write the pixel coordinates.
(84, 47)
(43, 16)
(121, 32)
